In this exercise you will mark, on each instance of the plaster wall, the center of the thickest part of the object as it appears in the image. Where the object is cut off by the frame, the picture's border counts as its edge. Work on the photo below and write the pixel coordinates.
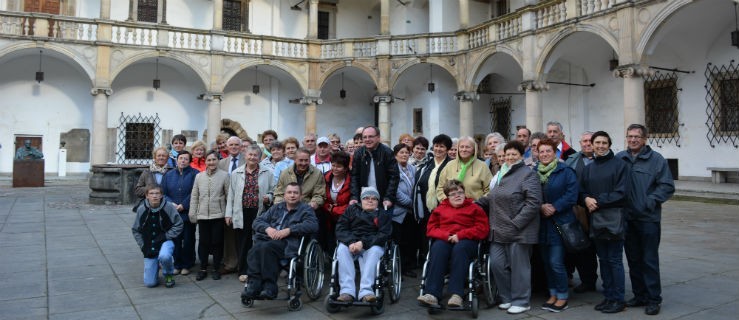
(440, 110)
(196, 14)
(118, 10)
(409, 19)
(91, 8)
(443, 15)
(343, 116)
(357, 19)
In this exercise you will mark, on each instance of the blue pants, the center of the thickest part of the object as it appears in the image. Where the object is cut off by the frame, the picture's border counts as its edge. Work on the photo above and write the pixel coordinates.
(553, 256)
(184, 245)
(449, 258)
(368, 260)
(610, 255)
(151, 265)
(642, 253)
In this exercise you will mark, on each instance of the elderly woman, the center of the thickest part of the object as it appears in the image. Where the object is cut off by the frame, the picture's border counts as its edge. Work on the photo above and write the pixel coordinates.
(291, 145)
(338, 194)
(560, 191)
(207, 204)
(492, 141)
(198, 156)
(249, 194)
(406, 139)
(456, 226)
(177, 189)
(418, 151)
(603, 189)
(221, 145)
(335, 142)
(466, 168)
(153, 175)
(349, 147)
(362, 232)
(405, 227)
(276, 154)
(513, 206)
(452, 152)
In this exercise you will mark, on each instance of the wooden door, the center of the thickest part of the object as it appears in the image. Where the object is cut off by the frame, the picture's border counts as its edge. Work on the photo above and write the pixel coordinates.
(43, 6)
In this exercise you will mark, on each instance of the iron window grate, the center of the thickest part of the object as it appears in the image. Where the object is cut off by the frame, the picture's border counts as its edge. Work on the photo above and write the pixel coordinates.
(138, 136)
(661, 108)
(722, 99)
(500, 116)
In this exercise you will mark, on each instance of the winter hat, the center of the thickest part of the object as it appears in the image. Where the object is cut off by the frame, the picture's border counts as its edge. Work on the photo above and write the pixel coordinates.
(369, 192)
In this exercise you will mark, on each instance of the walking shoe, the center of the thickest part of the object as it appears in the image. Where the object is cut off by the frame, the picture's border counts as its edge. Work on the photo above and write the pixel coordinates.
(184, 271)
(253, 287)
(518, 309)
(636, 302)
(345, 298)
(582, 288)
(169, 281)
(428, 299)
(614, 307)
(269, 292)
(202, 274)
(652, 309)
(176, 271)
(602, 304)
(555, 308)
(504, 306)
(455, 301)
(369, 298)
(216, 275)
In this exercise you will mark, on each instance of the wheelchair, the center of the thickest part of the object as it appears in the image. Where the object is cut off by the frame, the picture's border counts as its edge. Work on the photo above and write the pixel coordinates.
(479, 282)
(305, 270)
(388, 276)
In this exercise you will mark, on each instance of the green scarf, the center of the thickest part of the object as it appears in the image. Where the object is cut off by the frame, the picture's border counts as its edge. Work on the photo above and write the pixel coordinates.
(463, 172)
(503, 170)
(545, 170)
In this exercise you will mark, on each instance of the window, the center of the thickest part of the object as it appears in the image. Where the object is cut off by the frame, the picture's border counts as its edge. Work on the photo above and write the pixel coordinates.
(235, 13)
(500, 112)
(661, 107)
(44, 6)
(147, 10)
(500, 7)
(722, 96)
(417, 121)
(323, 24)
(728, 108)
(138, 136)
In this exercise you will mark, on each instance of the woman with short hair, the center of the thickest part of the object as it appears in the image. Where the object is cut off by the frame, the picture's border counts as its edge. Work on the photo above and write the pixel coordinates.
(466, 168)
(418, 150)
(198, 156)
(153, 175)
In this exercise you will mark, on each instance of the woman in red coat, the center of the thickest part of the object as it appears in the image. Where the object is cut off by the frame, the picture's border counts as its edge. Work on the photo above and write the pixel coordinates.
(456, 226)
(338, 194)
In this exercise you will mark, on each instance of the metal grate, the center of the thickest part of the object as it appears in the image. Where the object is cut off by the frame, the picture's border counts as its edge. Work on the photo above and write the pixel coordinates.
(138, 136)
(722, 98)
(500, 116)
(661, 108)
(147, 10)
(232, 15)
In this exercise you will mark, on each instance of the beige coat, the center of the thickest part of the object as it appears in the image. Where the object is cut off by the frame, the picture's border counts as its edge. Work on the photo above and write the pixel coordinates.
(313, 187)
(234, 205)
(208, 197)
(476, 179)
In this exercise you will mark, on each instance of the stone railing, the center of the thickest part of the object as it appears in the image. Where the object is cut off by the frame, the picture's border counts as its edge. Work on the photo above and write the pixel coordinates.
(242, 44)
(289, 48)
(587, 7)
(441, 43)
(509, 26)
(193, 40)
(365, 48)
(135, 35)
(550, 13)
(479, 35)
(403, 46)
(45, 25)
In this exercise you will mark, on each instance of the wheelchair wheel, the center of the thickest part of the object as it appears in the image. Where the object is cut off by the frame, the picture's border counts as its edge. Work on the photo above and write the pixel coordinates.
(396, 277)
(313, 270)
(378, 308)
(330, 308)
(294, 304)
(247, 302)
(475, 306)
(491, 291)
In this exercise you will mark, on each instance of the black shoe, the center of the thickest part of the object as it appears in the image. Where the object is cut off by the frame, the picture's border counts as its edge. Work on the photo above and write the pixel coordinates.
(554, 308)
(582, 288)
(410, 273)
(635, 302)
(201, 275)
(216, 275)
(253, 287)
(267, 294)
(652, 309)
(614, 307)
(602, 304)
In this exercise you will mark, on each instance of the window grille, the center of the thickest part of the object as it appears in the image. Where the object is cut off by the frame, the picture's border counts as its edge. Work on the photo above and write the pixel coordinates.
(722, 98)
(232, 15)
(323, 24)
(661, 108)
(138, 136)
(147, 10)
(417, 121)
(500, 116)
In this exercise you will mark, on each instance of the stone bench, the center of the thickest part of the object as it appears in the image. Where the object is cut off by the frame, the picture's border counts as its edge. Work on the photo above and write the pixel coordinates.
(718, 175)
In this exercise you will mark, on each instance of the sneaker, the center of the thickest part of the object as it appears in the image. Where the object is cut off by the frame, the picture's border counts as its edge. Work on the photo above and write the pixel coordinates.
(268, 294)
(252, 289)
(504, 306)
(652, 309)
(216, 275)
(369, 298)
(184, 272)
(455, 301)
(169, 281)
(345, 298)
(202, 274)
(518, 309)
(428, 299)
(555, 308)
(176, 271)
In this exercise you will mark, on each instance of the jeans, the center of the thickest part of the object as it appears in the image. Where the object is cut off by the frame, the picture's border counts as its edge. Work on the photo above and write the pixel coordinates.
(642, 254)
(368, 260)
(151, 265)
(184, 245)
(452, 258)
(553, 256)
(610, 254)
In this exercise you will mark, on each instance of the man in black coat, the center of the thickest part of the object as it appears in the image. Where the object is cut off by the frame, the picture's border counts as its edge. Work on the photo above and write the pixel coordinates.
(374, 166)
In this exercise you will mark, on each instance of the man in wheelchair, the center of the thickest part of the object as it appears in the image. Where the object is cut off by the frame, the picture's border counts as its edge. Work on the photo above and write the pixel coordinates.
(361, 232)
(456, 226)
(277, 234)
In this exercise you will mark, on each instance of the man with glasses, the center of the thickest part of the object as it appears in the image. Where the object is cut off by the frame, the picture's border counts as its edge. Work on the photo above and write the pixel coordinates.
(374, 166)
(650, 185)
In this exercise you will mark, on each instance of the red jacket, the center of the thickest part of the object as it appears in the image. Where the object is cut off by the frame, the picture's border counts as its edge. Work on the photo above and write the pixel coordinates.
(198, 164)
(468, 221)
(342, 200)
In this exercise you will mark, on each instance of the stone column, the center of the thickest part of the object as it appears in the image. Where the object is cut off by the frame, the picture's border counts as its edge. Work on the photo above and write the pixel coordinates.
(466, 117)
(217, 14)
(133, 10)
(384, 17)
(99, 124)
(384, 117)
(163, 6)
(633, 75)
(311, 105)
(464, 14)
(105, 9)
(214, 115)
(533, 89)
(312, 19)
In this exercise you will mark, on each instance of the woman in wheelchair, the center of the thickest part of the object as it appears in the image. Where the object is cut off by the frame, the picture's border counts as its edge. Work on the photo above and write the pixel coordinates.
(361, 232)
(456, 227)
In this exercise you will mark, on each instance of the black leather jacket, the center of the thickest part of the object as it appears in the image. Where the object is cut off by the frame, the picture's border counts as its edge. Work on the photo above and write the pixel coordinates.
(386, 172)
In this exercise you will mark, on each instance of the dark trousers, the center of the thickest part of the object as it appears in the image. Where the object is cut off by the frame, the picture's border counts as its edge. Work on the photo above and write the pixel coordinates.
(244, 238)
(326, 230)
(211, 242)
(642, 254)
(406, 236)
(423, 243)
(610, 254)
(586, 264)
(264, 261)
(184, 245)
(449, 258)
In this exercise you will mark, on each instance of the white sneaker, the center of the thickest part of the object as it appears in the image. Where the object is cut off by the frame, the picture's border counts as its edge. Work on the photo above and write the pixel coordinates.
(518, 309)
(504, 306)
(428, 299)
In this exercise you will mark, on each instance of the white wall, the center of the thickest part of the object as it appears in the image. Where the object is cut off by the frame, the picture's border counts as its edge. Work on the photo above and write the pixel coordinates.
(196, 14)
(443, 15)
(409, 19)
(118, 10)
(58, 104)
(91, 8)
(352, 19)
(343, 116)
(479, 13)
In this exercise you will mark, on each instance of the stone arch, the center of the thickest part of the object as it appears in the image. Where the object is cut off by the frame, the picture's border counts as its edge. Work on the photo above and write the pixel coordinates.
(80, 62)
(235, 127)
(187, 62)
(333, 67)
(302, 81)
(671, 8)
(476, 64)
(551, 45)
(410, 63)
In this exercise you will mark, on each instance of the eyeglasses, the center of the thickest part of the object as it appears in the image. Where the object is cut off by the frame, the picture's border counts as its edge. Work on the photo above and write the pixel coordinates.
(454, 194)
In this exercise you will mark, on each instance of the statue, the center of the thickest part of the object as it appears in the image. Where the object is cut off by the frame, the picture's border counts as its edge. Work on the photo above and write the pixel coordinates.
(28, 152)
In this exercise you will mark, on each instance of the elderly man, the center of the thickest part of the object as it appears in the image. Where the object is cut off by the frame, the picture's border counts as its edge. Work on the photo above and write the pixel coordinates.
(650, 185)
(235, 159)
(322, 158)
(554, 132)
(374, 166)
(523, 136)
(309, 179)
(277, 234)
(309, 142)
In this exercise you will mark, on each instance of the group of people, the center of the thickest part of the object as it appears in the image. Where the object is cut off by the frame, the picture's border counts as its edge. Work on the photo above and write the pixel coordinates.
(251, 204)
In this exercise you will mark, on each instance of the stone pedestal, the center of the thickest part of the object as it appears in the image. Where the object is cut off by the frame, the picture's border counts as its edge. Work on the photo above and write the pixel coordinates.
(28, 173)
(114, 183)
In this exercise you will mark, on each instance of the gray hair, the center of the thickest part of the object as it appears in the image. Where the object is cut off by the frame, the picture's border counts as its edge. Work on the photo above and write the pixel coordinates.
(254, 147)
(466, 138)
(234, 138)
(495, 135)
(586, 133)
(555, 123)
(499, 148)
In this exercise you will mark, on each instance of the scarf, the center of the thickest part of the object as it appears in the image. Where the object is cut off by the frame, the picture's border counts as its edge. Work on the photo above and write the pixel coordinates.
(463, 172)
(545, 170)
(154, 168)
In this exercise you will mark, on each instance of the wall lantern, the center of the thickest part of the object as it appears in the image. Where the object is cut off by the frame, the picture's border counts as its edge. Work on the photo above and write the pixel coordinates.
(255, 87)
(735, 33)
(39, 73)
(431, 85)
(342, 92)
(157, 83)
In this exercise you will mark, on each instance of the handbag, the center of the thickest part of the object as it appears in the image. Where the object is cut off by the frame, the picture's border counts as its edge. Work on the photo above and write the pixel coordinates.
(573, 237)
(608, 224)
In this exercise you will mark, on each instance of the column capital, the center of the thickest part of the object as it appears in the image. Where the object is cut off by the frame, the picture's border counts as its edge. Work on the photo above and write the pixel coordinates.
(533, 85)
(107, 91)
(383, 99)
(633, 71)
(310, 100)
(466, 96)
(212, 96)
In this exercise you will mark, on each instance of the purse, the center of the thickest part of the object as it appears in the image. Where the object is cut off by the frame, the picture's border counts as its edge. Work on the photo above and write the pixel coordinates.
(573, 237)
(608, 224)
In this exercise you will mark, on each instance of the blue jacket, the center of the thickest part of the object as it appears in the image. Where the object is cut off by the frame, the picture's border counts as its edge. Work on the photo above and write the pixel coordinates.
(404, 195)
(561, 190)
(302, 221)
(650, 185)
(177, 186)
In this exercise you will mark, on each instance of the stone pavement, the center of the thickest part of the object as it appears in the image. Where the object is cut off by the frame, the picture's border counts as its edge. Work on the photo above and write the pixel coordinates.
(65, 259)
